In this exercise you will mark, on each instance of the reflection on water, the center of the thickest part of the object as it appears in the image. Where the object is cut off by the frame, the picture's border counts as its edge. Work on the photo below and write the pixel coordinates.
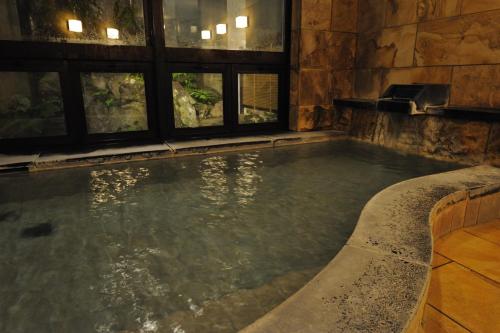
(247, 179)
(109, 186)
(201, 244)
(215, 185)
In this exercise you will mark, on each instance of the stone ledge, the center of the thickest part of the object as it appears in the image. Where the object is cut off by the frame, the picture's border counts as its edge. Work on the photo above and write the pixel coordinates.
(379, 280)
(456, 112)
(169, 149)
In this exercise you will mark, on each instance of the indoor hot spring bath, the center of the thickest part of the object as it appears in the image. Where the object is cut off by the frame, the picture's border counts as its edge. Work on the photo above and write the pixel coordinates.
(194, 244)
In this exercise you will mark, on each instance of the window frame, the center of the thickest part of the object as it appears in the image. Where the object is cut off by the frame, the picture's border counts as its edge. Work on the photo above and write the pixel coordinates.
(76, 69)
(156, 60)
(282, 97)
(19, 144)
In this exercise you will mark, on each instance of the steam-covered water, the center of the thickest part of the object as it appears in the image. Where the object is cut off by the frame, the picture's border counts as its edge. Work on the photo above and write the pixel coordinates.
(198, 244)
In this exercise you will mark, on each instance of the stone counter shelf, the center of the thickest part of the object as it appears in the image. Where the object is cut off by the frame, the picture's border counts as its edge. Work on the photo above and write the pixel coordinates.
(456, 112)
(378, 282)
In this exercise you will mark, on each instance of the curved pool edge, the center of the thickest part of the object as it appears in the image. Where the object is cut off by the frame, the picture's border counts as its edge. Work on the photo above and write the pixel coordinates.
(379, 280)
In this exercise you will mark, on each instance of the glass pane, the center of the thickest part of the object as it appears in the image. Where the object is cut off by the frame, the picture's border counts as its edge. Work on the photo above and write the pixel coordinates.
(198, 99)
(258, 98)
(253, 25)
(78, 21)
(30, 105)
(114, 102)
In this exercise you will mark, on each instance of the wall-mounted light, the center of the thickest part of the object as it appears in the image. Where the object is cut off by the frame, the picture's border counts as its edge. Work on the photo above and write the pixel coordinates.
(113, 33)
(242, 22)
(221, 29)
(75, 25)
(194, 29)
(206, 34)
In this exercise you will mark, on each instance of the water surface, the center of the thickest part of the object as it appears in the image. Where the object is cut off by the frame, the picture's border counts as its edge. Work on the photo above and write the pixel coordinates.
(197, 244)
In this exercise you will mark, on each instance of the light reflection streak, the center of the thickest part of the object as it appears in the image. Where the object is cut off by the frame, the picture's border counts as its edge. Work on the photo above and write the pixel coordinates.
(215, 187)
(248, 179)
(110, 185)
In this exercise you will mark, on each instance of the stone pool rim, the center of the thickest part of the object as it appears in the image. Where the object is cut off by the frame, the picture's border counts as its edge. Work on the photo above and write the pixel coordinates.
(378, 282)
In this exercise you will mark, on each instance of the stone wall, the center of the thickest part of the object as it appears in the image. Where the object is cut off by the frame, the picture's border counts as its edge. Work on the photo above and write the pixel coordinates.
(470, 142)
(455, 42)
(323, 53)
(341, 49)
(346, 49)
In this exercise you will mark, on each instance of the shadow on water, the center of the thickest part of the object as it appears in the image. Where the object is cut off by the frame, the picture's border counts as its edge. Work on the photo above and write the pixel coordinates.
(40, 230)
(9, 216)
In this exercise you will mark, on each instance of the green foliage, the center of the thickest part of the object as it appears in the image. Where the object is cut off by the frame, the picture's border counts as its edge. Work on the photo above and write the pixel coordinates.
(204, 96)
(138, 77)
(190, 83)
(187, 80)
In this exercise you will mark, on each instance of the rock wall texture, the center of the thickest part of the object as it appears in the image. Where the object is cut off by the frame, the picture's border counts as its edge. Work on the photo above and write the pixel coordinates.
(430, 41)
(356, 49)
(322, 57)
(352, 48)
(470, 142)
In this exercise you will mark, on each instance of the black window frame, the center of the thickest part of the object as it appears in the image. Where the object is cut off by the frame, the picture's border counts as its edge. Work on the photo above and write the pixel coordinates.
(155, 60)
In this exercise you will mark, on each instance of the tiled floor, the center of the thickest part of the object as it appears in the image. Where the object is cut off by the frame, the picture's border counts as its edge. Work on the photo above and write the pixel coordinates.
(464, 294)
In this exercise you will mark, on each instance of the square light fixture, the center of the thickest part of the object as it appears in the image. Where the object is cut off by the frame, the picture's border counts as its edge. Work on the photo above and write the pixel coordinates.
(221, 29)
(75, 25)
(206, 34)
(242, 22)
(113, 33)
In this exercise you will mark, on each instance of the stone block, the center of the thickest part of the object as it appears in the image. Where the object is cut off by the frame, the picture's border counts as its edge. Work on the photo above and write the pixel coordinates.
(315, 48)
(316, 14)
(475, 6)
(455, 139)
(461, 40)
(343, 50)
(367, 83)
(314, 87)
(344, 15)
(314, 118)
(476, 86)
(342, 83)
(387, 48)
(371, 15)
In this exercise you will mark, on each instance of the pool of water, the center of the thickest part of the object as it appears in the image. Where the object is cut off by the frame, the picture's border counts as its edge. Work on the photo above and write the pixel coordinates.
(195, 244)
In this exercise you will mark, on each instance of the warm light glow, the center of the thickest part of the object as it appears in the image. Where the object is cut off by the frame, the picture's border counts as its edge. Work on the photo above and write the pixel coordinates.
(75, 25)
(194, 29)
(221, 29)
(242, 22)
(113, 33)
(206, 34)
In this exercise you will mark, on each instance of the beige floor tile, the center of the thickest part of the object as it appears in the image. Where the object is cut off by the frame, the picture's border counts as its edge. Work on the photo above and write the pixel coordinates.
(439, 260)
(466, 297)
(473, 252)
(435, 322)
(487, 231)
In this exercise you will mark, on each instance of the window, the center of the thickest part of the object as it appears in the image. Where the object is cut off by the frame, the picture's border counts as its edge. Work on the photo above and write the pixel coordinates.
(116, 22)
(31, 105)
(258, 98)
(251, 25)
(114, 102)
(198, 99)
(80, 73)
